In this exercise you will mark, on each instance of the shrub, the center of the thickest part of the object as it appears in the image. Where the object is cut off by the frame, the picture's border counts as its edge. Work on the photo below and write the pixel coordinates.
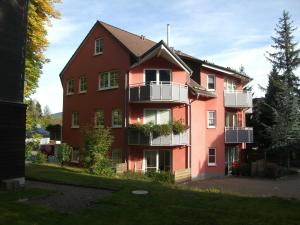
(162, 129)
(97, 143)
(178, 127)
(63, 153)
(40, 158)
(245, 169)
(162, 177)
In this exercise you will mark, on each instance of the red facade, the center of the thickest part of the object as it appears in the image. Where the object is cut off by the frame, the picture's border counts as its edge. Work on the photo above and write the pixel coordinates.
(133, 80)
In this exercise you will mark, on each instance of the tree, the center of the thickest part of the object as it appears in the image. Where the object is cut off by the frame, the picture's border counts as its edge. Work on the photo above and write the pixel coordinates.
(63, 153)
(40, 13)
(278, 114)
(33, 114)
(46, 117)
(97, 143)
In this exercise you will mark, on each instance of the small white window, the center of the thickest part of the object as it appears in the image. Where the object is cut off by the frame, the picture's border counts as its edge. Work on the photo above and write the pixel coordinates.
(108, 80)
(74, 154)
(212, 161)
(98, 46)
(99, 119)
(116, 156)
(211, 119)
(229, 85)
(70, 87)
(211, 82)
(116, 118)
(75, 119)
(82, 84)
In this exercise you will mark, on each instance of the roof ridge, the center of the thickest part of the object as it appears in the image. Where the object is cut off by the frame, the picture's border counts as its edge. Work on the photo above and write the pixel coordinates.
(102, 22)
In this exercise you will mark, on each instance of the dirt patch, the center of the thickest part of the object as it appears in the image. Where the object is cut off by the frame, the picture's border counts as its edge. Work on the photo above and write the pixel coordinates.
(67, 198)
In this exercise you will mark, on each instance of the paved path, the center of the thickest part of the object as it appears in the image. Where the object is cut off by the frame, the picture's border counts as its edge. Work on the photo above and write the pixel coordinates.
(286, 187)
(68, 198)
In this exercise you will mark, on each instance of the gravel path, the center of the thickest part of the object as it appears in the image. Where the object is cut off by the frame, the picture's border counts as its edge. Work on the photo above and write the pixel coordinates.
(286, 187)
(68, 198)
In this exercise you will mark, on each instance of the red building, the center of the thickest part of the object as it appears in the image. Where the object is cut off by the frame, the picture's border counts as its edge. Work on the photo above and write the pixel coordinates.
(117, 79)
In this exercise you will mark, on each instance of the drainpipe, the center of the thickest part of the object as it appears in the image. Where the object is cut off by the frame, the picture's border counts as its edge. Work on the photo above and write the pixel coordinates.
(125, 119)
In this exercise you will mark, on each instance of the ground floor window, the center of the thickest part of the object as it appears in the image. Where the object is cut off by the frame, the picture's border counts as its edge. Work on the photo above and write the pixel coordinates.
(212, 161)
(116, 156)
(75, 154)
(231, 155)
(157, 160)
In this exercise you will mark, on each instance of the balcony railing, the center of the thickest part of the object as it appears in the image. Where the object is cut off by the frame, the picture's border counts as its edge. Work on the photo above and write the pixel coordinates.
(238, 135)
(136, 137)
(238, 99)
(169, 92)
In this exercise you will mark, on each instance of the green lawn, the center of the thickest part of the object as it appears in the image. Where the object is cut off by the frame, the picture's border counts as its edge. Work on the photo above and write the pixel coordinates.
(166, 204)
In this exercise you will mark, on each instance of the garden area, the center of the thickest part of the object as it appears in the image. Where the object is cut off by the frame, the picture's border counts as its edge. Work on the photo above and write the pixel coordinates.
(165, 203)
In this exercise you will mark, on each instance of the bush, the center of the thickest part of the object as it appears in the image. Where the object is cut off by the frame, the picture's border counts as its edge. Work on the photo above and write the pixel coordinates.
(178, 127)
(63, 153)
(272, 170)
(245, 169)
(162, 177)
(40, 158)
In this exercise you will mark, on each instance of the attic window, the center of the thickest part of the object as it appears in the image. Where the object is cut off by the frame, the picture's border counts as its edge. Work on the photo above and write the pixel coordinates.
(98, 46)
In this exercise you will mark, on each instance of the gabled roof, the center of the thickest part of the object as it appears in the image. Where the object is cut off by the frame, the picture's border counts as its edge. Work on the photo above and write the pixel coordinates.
(162, 50)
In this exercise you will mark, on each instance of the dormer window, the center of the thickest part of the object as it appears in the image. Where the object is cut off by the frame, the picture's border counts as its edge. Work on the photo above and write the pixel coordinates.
(98, 46)
(211, 82)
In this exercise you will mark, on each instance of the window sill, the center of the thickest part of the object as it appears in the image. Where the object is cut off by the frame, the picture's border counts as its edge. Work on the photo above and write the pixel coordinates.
(97, 127)
(212, 127)
(98, 53)
(211, 89)
(108, 88)
(82, 92)
(74, 127)
(72, 93)
(212, 165)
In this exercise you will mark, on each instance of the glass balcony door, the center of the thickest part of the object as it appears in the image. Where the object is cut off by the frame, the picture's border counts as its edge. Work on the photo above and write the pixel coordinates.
(157, 76)
(231, 119)
(157, 160)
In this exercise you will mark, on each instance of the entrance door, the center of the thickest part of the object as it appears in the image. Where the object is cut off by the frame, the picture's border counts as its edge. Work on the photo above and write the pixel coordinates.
(157, 160)
(231, 155)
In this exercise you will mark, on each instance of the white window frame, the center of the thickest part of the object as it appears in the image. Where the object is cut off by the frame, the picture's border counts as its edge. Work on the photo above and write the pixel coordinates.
(112, 119)
(82, 91)
(215, 119)
(68, 85)
(144, 166)
(109, 80)
(95, 46)
(157, 74)
(95, 119)
(214, 76)
(73, 120)
(72, 155)
(157, 115)
(230, 83)
(215, 155)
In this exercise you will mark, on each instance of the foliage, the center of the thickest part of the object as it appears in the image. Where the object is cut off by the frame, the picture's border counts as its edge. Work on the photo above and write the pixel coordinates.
(63, 153)
(162, 176)
(97, 143)
(46, 117)
(272, 170)
(32, 145)
(160, 129)
(40, 158)
(245, 169)
(40, 12)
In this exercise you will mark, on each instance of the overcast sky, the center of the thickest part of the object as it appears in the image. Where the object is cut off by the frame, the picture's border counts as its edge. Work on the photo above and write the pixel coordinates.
(227, 32)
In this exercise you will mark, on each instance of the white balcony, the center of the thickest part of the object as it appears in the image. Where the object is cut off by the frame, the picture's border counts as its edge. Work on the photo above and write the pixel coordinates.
(237, 135)
(238, 99)
(158, 92)
(136, 137)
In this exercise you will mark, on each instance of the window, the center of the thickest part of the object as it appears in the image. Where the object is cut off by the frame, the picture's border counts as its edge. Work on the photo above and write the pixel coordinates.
(116, 118)
(74, 154)
(82, 84)
(75, 119)
(156, 161)
(99, 118)
(157, 76)
(98, 46)
(116, 156)
(157, 116)
(108, 80)
(229, 85)
(211, 86)
(231, 119)
(211, 123)
(70, 87)
(212, 157)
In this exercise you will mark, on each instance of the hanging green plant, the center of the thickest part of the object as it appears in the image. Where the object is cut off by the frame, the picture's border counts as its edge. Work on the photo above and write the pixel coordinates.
(178, 127)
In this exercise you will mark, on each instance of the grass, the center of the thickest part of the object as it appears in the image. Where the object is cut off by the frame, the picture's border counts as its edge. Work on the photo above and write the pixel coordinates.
(165, 204)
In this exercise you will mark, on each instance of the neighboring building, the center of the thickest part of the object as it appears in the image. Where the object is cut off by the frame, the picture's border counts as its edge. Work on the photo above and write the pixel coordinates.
(116, 78)
(12, 113)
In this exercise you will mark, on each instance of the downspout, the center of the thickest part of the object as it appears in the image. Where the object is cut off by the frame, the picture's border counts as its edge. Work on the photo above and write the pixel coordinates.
(126, 119)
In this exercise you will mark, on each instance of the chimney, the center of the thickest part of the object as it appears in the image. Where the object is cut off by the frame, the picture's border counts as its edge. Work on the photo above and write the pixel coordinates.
(142, 37)
(168, 34)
